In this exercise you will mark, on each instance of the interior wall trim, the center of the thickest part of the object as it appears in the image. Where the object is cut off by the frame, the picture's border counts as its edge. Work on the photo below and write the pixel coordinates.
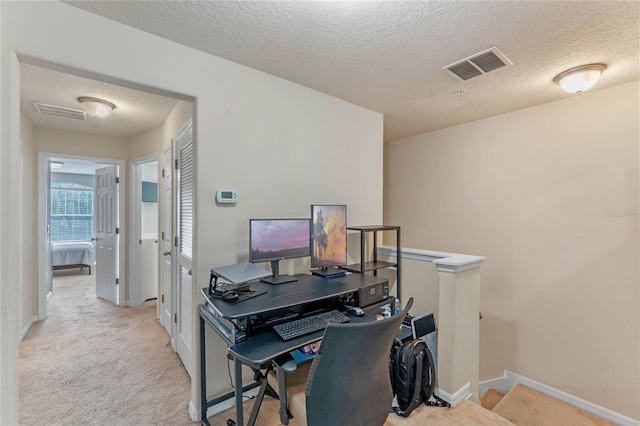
(27, 327)
(456, 398)
(445, 262)
(224, 405)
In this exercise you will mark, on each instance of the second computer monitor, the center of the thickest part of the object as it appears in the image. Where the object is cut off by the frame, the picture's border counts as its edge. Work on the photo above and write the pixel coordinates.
(328, 238)
(272, 240)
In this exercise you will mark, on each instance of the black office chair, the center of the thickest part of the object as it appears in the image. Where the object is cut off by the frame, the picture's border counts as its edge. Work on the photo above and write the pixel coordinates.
(348, 382)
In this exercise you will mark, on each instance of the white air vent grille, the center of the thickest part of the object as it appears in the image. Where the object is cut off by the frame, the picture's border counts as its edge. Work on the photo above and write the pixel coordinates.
(58, 111)
(478, 64)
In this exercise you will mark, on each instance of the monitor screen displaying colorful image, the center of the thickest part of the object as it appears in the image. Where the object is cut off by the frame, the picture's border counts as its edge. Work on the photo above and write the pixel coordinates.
(328, 235)
(276, 239)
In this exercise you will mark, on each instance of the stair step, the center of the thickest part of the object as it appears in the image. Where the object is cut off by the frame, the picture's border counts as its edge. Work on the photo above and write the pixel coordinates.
(525, 406)
(491, 398)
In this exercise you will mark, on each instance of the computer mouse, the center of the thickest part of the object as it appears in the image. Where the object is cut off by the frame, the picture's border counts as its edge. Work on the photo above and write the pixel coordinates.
(355, 311)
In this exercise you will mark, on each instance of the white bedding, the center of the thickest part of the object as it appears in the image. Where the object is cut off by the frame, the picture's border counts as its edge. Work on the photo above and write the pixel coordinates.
(73, 253)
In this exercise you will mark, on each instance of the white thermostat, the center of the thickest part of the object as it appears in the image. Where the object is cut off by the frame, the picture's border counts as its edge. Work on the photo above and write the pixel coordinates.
(227, 196)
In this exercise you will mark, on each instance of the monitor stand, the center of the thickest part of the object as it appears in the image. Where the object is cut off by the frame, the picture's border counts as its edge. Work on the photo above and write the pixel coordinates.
(328, 272)
(277, 278)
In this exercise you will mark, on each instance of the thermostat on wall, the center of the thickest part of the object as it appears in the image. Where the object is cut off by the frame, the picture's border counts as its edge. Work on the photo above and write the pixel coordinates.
(226, 196)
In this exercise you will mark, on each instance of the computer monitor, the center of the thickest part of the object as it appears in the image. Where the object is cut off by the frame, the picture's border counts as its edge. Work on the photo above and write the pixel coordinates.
(328, 239)
(273, 240)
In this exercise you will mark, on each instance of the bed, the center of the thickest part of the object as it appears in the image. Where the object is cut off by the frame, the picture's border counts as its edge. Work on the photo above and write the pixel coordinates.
(73, 254)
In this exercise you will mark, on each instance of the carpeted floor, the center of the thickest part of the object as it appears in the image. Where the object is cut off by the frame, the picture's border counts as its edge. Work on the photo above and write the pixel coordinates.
(464, 414)
(91, 362)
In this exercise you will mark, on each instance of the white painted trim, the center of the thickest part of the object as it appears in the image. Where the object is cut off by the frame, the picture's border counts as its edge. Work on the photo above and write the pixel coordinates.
(455, 399)
(43, 248)
(228, 403)
(135, 255)
(510, 379)
(194, 413)
(27, 327)
(459, 263)
(500, 384)
(445, 262)
(44, 272)
(135, 225)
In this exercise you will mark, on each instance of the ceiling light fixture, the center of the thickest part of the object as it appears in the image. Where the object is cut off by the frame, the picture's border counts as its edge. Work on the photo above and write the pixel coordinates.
(55, 165)
(579, 79)
(95, 107)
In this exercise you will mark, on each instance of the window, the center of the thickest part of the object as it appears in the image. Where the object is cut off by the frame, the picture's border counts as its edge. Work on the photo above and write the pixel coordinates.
(71, 212)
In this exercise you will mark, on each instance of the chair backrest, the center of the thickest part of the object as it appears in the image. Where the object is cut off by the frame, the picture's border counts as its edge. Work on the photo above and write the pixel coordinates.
(349, 382)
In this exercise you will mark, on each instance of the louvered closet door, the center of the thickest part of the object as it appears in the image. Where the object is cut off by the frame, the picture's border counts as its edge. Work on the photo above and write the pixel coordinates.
(185, 243)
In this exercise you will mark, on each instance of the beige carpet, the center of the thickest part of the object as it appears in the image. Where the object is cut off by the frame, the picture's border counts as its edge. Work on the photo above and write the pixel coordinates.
(464, 414)
(525, 406)
(94, 363)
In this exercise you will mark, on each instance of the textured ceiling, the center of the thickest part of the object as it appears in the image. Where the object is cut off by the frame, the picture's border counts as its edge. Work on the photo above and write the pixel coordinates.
(387, 55)
(136, 112)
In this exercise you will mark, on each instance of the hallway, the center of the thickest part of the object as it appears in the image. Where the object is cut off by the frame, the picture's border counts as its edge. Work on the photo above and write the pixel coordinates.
(92, 362)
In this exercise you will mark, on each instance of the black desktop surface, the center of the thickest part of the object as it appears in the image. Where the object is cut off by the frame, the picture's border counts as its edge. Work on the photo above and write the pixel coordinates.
(307, 289)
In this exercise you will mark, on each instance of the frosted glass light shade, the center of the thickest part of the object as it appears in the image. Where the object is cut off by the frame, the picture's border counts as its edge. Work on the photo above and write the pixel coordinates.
(95, 107)
(579, 79)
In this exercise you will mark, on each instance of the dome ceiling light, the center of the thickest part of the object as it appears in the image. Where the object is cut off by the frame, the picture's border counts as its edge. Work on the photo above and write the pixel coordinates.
(579, 79)
(95, 107)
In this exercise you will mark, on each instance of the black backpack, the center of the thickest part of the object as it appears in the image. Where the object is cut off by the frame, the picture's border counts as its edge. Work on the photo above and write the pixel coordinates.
(413, 375)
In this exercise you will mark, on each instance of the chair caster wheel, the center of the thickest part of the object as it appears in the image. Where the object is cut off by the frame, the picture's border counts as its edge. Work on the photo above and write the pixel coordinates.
(231, 423)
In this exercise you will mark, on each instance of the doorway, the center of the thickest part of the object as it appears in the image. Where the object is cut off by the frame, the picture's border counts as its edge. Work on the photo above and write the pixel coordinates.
(143, 237)
(78, 224)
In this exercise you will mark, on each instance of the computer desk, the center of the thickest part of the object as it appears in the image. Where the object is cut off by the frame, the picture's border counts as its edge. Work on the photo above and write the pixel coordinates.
(264, 350)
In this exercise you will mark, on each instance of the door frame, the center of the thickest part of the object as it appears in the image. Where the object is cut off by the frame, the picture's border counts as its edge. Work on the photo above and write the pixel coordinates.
(135, 226)
(43, 248)
(168, 293)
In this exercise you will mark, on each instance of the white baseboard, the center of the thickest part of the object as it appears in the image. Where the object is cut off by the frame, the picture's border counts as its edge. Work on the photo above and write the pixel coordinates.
(504, 384)
(219, 407)
(27, 327)
(462, 394)
(194, 413)
(501, 384)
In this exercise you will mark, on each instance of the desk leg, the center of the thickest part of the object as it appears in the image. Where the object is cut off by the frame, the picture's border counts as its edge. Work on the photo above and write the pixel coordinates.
(238, 374)
(203, 376)
(281, 375)
(258, 402)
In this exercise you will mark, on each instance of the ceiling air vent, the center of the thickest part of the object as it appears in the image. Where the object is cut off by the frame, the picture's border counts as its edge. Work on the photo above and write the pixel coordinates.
(478, 64)
(58, 111)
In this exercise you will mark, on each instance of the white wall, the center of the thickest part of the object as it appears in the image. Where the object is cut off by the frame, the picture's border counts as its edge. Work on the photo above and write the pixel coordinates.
(282, 146)
(76, 143)
(550, 195)
(150, 142)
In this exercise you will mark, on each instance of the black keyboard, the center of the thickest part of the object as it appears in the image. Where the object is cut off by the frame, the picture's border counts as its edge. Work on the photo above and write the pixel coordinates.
(297, 328)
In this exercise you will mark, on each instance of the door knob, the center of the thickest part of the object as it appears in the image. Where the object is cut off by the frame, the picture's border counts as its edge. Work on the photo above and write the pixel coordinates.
(167, 253)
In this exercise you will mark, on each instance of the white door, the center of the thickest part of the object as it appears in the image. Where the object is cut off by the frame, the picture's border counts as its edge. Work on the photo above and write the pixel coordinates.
(185, 244)
(106, 219)
(166, 236)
